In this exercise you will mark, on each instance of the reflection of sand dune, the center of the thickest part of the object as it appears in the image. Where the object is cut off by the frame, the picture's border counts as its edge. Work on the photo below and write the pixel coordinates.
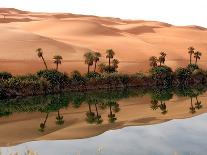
(22, 127)
(71, 35)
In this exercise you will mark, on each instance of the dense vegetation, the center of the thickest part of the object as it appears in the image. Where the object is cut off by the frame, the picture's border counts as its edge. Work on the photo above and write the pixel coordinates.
(101, 76)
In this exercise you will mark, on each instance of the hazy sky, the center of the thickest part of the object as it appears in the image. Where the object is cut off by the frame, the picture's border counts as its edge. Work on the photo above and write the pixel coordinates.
(178, 12)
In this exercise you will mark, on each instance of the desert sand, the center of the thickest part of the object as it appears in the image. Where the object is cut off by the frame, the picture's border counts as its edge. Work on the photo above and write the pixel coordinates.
(23, 127)
(69, 35)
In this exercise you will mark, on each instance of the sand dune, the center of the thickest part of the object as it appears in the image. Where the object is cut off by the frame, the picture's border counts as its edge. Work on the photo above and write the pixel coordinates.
(71, 35)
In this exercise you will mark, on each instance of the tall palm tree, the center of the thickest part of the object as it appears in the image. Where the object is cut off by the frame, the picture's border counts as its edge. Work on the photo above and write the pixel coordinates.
(40, 55)
(57, 60)
(191, 51)
(110, 55)
(97, 56)
(153, 61)
(197, 55)
(115, 63)
(89, 58)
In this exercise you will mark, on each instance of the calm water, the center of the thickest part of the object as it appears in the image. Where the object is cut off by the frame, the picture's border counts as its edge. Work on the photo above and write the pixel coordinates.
(23, 120)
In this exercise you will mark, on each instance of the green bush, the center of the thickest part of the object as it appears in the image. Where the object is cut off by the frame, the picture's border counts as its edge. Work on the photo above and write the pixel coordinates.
(77, 78)
(57, 80)
(182, 75)
(162, 75)
(5, 75)
(192, 67)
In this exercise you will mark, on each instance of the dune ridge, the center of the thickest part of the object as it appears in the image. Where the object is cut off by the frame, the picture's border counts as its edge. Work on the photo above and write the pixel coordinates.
(71, 35)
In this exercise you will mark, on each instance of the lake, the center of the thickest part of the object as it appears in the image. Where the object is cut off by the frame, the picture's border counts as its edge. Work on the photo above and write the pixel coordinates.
(133, 121)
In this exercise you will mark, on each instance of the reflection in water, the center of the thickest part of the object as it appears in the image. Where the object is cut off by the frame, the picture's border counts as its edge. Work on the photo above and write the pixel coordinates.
(177, 137)
(97, 103)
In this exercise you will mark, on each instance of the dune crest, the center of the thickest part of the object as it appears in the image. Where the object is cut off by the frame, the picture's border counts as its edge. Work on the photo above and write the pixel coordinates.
(71, 35)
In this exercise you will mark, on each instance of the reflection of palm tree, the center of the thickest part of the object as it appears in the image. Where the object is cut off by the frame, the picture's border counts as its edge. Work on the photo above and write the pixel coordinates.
(163, 108)
(90, 116)
(198, 104)
(59, 119)
(111, 116)
(192, 108)
(116, 107)
(98, 118)
(154, 105)
(43, 125)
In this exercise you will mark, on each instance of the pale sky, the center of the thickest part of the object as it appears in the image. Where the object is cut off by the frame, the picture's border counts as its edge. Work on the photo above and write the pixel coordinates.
(177, 12)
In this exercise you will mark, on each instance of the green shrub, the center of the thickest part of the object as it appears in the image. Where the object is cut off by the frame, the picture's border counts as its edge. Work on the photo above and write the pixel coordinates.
(192, 67)
(182, 75)
(57, 80)
(77, 78)
(5, 75)
(162, 75)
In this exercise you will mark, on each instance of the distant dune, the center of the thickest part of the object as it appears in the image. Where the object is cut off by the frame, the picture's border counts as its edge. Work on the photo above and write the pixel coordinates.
(71, 35)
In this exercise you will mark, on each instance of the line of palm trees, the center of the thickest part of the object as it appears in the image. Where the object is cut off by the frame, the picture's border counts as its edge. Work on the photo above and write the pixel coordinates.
(196, 54)
(57, 58)
(92, 58)
(154, 61)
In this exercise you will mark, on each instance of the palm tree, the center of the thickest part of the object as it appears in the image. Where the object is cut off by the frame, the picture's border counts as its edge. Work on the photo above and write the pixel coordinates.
(197, 55)
(97, 56)
(40, 55)
(102, 67)
(57, 60)
(59, 119)
(110, 55)
(89, 58)
(191, 51)
(162, 57)
(115, 63)
(43, 125)
(153, 61)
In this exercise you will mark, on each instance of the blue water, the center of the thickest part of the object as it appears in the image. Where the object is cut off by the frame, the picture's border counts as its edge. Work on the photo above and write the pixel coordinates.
(176, 137)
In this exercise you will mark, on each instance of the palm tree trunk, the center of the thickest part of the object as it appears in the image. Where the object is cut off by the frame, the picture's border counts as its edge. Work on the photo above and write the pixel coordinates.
(196, 98)
(89, 107)
(190, 58)
(44, 62)
(96, 110)
(57, 66)
(58, 114)
(110, 110)
(196, 60)
(191, 101)
(95, 67)
(46, 118)
(88, 69)
(109, 62)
